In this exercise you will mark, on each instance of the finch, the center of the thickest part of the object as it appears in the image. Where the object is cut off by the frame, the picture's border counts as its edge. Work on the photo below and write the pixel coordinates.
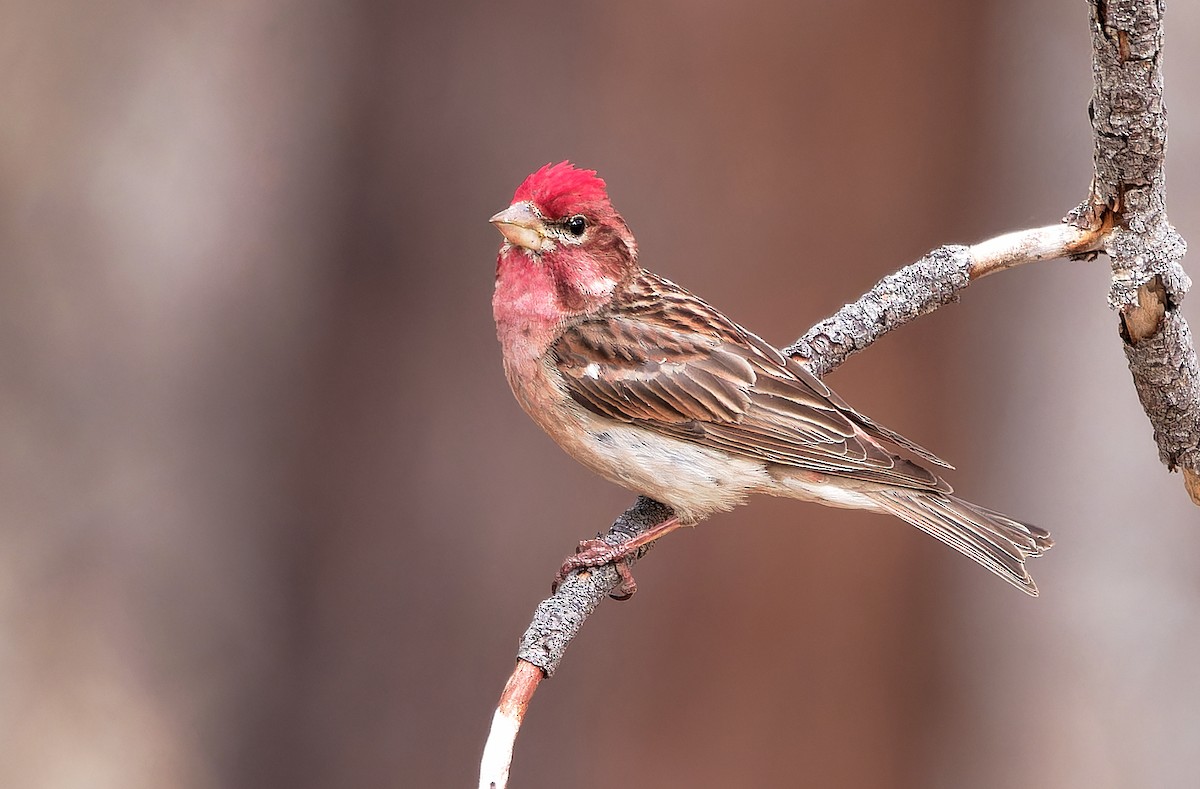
(655, 390)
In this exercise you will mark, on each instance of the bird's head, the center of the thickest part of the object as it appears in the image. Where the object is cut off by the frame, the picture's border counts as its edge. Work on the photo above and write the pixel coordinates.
(565, 249)
(561, 208)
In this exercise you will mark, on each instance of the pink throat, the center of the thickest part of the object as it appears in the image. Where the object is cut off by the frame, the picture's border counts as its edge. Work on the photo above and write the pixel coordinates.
(526, 303)
(536, 295)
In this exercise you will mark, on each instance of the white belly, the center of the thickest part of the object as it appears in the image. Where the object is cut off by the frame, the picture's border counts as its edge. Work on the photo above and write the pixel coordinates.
(693, 480)
(796, 484)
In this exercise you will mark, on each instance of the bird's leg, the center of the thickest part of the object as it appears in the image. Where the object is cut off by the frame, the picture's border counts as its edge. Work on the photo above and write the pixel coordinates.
(597, 552)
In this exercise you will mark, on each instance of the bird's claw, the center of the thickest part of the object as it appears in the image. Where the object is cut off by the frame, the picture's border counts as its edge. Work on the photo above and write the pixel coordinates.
(596, 553)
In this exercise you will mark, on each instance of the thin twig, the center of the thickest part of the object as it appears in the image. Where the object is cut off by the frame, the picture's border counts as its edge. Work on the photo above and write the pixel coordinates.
(555, 622)
(1040, 243)
(558, 618)
(514, 701)
(935, 280)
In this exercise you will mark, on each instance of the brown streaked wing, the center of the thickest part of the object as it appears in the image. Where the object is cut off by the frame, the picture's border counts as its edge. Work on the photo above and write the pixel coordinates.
(635, 371)
(667, 361)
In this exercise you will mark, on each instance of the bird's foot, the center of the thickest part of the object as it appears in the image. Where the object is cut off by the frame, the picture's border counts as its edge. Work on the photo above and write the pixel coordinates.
(597, 552)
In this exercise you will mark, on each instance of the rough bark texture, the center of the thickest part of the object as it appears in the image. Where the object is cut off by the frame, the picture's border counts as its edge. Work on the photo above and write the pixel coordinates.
(1169, 387)
(915, 290)
(1130, 131)
(558, 618)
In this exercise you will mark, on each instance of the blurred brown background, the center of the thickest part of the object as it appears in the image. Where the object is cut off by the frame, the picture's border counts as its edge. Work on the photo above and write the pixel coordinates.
(270, 517)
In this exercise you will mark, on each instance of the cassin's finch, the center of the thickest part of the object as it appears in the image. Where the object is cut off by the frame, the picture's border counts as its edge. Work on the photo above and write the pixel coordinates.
(655, 390)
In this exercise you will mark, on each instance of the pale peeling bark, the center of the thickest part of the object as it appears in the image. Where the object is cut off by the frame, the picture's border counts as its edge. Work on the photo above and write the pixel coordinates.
(1124, 216)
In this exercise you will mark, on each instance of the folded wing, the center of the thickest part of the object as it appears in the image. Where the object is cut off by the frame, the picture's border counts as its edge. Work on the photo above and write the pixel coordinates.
(666, 361)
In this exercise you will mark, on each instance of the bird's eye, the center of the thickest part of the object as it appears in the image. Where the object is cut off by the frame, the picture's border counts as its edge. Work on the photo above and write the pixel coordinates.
(576, 225)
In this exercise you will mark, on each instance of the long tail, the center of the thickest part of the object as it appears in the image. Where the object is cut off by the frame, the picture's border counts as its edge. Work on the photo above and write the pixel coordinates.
(996, 541)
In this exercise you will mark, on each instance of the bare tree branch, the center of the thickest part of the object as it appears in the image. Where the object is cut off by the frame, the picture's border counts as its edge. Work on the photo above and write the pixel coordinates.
(934, 280)
(555, 623)
(558, 618)
(1129, 121)
(1124, 216)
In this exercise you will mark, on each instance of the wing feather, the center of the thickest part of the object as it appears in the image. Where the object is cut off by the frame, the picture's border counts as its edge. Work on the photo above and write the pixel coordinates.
(668, 362)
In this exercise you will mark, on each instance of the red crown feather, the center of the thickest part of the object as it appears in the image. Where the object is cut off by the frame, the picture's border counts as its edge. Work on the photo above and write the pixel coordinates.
(561, 189)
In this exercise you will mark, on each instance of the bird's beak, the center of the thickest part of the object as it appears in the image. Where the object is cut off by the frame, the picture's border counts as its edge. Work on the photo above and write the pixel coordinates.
(522, 225)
